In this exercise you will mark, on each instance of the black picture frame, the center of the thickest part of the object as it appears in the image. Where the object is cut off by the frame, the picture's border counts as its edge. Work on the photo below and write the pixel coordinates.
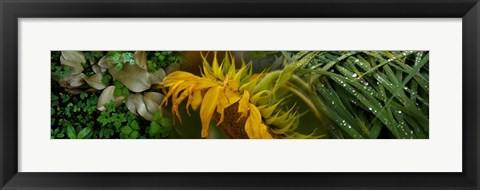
(11, 10)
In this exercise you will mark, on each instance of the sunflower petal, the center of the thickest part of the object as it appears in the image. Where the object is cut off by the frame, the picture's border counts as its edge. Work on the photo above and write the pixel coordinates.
(174, 77)
(233, 85)
(243, 104)
(190, 99)
(220, 110)
(171, 91)
(265, 134)
(197, 100)
(203, 83)
(229, 98)
(207, 108)
(254, 127)
(184, 90)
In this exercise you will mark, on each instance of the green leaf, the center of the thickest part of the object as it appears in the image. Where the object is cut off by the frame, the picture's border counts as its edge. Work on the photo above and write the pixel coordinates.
(118, 67)
(157, 117)
(154, 130)
(71, 132)
(125, 92)
(100, 133)
(126, 130)
(166, 122)
(117, 92)
(84, 132)
(107, 133)
(288, 71)
(60, 135)
(118, 84)
(369, 91)
(106, 79)
(161, 57)
(65, 98)
(134, 125)
(128, 57)
(130, 116)
(134, 135)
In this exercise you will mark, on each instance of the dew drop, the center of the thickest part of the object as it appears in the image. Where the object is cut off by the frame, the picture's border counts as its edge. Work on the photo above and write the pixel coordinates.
(354, 75)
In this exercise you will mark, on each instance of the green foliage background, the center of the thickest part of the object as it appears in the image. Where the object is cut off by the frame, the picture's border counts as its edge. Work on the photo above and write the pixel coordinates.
(75, 115)
(365, 94)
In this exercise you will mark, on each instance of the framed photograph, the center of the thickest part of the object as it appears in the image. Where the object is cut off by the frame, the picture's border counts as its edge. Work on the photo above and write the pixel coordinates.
(282, 94)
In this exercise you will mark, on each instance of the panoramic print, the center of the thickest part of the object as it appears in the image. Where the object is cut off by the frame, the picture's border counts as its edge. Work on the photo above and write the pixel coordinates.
(240, 94)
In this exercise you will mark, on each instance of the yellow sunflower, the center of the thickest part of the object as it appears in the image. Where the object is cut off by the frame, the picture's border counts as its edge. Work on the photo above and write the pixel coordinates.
(233, 98)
